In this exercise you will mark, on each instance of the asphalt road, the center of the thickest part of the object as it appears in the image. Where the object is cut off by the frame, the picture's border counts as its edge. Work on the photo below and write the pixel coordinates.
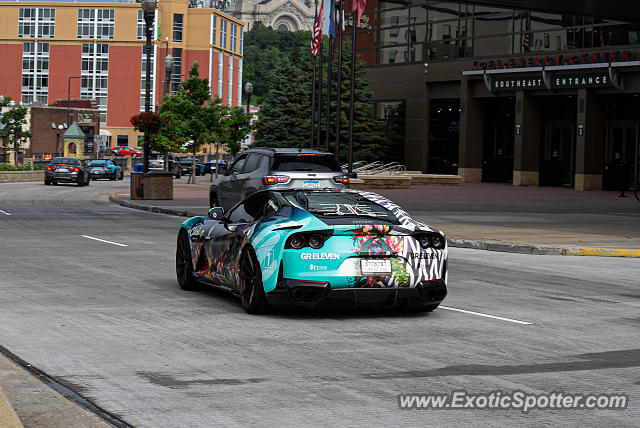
(110, 322)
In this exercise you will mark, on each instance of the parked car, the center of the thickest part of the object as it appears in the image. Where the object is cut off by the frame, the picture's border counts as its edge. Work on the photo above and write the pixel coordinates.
(315, 249)
(210, 167)
(186, 165)
(126, 151)
(282, 168)
(66, 170)
(156, 160)
(105, 168)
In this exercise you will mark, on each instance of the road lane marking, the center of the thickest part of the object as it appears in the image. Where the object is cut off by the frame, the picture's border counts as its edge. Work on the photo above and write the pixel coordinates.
(104, 240)
(485, 315)
(4, 212)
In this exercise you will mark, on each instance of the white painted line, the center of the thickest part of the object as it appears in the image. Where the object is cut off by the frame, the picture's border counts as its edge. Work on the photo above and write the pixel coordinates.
(4, 212)
(486, 315)
(104, 240)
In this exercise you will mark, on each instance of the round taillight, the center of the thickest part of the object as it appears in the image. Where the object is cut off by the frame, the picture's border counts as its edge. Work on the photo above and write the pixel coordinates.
(316, 241)
(297, 242)
(437, 241)
(425, 242)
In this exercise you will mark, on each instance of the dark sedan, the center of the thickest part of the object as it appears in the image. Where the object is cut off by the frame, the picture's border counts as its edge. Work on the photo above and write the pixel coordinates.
(66, 170)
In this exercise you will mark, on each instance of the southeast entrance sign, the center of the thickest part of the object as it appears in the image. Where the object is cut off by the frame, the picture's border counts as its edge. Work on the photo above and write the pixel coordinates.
(561, 81)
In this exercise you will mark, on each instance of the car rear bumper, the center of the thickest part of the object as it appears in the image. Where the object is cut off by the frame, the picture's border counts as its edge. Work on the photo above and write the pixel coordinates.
(294, 293)
(71, 176)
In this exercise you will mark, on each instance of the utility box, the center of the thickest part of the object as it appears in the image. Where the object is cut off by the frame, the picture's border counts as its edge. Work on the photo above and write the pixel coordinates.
(157, 185)
(136, 186)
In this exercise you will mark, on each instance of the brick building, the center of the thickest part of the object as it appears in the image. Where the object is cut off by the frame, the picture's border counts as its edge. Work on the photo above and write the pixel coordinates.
(95, 50)
(46, 123)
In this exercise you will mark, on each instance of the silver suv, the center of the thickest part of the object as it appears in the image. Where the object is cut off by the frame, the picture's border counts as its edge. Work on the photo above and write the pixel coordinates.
(267, 168)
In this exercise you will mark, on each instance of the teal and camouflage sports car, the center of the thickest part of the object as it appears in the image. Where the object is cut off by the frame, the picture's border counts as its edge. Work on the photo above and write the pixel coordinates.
(316, 249)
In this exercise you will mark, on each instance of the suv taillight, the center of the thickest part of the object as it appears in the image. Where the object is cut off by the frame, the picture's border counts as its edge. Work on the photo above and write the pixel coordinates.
(75, 169)
(342, 179)
(50, 168)
(275, 179)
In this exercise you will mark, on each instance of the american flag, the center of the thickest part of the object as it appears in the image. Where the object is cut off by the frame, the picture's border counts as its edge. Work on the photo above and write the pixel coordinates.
(316, 38)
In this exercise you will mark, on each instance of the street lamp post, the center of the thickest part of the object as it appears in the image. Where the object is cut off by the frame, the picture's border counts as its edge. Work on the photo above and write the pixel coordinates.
(1, 105)
(168, 66)
(248, 89)
(149, 7)
(60, 128)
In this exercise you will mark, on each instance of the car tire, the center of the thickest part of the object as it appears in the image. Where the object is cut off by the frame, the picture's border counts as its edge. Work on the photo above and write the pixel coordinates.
(178, 174)
(80, 182)
(47, 182)
(121, 176)
(184, 265)
(113, 178)
(250, 287)
(54, 182)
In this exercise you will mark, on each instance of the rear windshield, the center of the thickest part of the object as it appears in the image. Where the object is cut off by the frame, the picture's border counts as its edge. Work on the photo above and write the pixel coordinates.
(68, 161)
(340, 205)
(98, 163)
(322, 163)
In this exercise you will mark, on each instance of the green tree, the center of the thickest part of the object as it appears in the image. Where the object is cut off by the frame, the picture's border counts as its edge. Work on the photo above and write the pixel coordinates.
(234, 127)
(263, 49)
(286, 111)
(194, 118)
(13, 134)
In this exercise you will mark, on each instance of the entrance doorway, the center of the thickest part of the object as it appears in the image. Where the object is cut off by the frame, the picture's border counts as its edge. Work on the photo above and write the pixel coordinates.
(497, 148)
(621, 156)
(557, 166)
(444, 131)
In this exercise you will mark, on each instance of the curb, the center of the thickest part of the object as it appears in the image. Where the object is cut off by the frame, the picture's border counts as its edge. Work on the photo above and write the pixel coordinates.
(8, 417)
(504, 247)
(130, 204)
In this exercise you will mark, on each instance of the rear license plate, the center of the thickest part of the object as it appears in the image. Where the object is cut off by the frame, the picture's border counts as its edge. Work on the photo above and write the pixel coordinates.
(370, 266)
(62, 170)
(310, 184)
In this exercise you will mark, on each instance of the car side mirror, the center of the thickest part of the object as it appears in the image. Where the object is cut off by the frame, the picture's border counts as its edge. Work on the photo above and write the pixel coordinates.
(216, 213)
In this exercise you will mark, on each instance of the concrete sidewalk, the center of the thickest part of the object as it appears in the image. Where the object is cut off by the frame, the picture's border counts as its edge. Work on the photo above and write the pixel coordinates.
(489, 216)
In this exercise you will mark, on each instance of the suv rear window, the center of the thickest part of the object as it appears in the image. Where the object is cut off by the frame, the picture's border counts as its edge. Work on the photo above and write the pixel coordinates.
(317, 163)
(68, 161)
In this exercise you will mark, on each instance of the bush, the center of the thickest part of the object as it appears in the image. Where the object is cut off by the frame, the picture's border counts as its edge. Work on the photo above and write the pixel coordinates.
(23, 167)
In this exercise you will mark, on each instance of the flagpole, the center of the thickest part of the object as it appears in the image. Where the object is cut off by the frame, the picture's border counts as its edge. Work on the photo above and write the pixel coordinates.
(339, 84)
(352, 85)
(320, 96)
(313, 86)
(329, 64)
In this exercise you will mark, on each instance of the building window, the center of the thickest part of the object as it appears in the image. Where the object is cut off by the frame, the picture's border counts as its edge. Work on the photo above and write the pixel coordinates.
(214, 29)
(241, 42)
(176, 76)
(220, 71)
(230, 87)
(223, 34)
(143, 77)
(177, 27)
(234, 36)
(96, 23)
(35, 72)
(547, 40)
(95, 75)
(38, 22)
(395, 20)
(140, 33)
